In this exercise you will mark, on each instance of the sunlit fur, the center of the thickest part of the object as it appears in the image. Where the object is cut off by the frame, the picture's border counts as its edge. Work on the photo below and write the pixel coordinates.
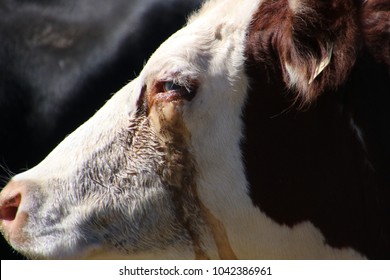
(110, 191)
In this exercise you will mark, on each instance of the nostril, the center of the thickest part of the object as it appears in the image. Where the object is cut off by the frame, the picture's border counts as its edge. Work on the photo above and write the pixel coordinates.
(9, 208)
(8, 213)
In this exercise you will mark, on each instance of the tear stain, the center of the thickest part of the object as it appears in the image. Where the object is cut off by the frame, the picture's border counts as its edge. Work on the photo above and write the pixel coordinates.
(218, 230)
(167, 121)
(200, 254)
(189, 216)
(180, 172)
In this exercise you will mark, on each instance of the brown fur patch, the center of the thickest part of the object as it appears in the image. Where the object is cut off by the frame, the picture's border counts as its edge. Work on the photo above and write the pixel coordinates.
(375, 21)
(295, 43)
(327, 164)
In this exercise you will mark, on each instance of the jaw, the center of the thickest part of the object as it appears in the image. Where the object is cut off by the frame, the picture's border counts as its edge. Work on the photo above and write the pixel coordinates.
(113, 205)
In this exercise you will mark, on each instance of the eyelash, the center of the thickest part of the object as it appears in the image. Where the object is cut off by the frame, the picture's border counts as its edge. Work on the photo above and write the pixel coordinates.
(172, 85)
(183, 90)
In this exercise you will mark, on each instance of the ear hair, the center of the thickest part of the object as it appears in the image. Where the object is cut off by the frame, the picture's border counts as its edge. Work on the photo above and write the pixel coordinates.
(312, 42)
(320, 66)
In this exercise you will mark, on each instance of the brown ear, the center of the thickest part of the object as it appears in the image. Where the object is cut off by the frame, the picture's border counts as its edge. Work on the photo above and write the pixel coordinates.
(312, 43)
(375, 22)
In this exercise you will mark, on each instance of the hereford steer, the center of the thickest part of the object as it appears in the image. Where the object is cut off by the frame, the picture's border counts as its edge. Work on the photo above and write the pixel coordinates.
(259, 130)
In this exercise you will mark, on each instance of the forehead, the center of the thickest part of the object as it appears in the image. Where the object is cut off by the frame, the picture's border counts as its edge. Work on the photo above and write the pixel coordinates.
(210, 32)
(186, 53)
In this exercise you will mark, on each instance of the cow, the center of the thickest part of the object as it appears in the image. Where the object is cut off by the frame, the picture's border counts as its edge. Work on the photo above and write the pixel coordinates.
(257, 131)
(59, 62)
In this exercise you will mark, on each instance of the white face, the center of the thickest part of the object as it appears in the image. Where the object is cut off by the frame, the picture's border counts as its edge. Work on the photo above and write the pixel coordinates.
(141, 179)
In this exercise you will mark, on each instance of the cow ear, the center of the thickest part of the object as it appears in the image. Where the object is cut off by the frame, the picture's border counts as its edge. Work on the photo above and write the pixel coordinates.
(300, 70)
(312, 44)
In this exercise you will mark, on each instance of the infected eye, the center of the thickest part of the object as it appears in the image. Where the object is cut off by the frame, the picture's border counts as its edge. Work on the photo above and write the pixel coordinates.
(177, 90)
(171, 85)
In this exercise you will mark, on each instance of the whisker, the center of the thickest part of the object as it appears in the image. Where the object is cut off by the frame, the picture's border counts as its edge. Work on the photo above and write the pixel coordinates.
(4, 179)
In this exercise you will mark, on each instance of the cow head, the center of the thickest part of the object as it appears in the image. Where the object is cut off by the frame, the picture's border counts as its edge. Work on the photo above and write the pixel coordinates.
(130, 182)
(158, 171)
